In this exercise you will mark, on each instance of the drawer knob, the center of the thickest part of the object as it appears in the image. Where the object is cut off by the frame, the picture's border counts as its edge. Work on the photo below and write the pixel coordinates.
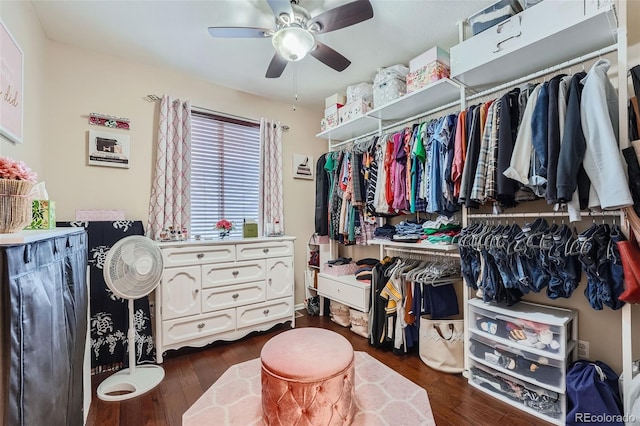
(196, 291)
(235, 273)
(235, 296)
(201, 325)
(200, 255)
(270, 281)
(265, 250)
(266, 312)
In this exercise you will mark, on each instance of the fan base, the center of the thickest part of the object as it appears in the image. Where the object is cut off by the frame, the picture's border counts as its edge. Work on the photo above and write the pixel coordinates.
(124, 385)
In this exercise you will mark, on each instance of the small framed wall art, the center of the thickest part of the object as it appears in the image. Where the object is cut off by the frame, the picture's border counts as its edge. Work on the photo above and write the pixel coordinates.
(11, 87)
(302, 166)
(108, 149)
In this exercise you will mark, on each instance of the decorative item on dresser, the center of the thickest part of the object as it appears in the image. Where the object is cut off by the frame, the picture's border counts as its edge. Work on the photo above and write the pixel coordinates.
(222, 290)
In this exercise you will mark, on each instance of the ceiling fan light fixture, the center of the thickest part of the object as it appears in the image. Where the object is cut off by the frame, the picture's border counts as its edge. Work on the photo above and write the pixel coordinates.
(293, 43)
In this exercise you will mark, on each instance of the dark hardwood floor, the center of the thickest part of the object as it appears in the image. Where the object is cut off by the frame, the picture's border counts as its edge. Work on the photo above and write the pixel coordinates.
(190, 372)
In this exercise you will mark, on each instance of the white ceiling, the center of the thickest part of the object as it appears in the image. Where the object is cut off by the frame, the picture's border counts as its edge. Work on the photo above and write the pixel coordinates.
(173, 34)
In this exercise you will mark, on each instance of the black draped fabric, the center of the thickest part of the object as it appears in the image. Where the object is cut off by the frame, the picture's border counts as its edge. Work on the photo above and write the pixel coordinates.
(322, 197)
(108, 313)
(44, 329)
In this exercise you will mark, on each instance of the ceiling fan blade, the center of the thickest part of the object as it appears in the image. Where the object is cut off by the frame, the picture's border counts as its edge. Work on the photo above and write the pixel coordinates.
(343, 16)
(276, 66)
(329, 57)
(240, 32)
(279, 7)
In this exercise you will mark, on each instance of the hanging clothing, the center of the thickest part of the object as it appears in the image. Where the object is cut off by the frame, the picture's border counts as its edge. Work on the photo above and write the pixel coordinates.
(573, 146)
(521, 158)
(322, 194)
(602, 160)
(507, 133)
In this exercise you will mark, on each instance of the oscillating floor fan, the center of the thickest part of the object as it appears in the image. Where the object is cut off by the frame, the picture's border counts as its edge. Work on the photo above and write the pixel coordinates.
(132, 269)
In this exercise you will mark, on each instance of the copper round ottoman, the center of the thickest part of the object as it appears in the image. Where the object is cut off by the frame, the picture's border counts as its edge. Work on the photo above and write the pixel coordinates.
(307, 378)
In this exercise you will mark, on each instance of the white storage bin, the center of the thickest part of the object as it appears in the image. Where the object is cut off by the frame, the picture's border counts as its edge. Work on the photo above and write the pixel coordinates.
(339, 313)
(360, 92)
(493, 15)
(535, 400)
(523, 326)
(519, 363)
(359, 322)
(552, 32)
(389, 84)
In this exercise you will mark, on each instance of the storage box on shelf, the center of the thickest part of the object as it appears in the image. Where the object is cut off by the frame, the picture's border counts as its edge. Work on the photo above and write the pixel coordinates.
(528, 345)
(547, 34)
(335, 99)
(493, 15)
(353, 110)
(427, 67)
(222, 290)
(361, 91)
(389, 84)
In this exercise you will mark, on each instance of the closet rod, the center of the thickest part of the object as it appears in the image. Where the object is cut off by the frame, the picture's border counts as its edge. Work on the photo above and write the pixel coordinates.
(424, 252)
(546, 71)
(541, 214)
(348, 141)
(421, 115)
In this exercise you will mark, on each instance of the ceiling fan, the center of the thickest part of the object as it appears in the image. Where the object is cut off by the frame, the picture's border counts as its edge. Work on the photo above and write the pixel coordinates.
(295, 31)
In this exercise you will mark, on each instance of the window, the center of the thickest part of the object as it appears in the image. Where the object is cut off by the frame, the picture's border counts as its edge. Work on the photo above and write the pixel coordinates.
(225, 172)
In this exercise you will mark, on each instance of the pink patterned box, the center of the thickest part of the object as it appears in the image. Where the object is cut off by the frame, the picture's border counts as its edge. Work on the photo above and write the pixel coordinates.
(428, 74)
(338, 270)
(99, 215)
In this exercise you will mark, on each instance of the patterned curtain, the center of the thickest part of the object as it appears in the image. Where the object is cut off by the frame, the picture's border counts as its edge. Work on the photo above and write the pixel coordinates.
(170, 202)
(271, 207)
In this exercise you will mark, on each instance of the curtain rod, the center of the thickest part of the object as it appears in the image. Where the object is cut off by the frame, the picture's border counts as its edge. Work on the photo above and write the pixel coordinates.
(571, 62)
(156, 98)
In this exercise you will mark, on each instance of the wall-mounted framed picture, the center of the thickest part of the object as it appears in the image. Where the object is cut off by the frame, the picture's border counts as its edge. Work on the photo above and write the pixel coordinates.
(11, 87)
(108, 149)
(302, 166)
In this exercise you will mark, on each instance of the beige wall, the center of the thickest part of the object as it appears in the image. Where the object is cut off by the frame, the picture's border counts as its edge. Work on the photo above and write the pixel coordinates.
(79, 82)
(64, 84)
(22, 23)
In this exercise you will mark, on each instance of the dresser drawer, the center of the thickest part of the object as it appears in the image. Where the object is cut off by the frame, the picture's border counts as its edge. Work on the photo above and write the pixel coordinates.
(532, 399)
(346, 290)
(519, 363)
(189, 329)
(194, 255)
(539, 329)
(232, 296)
(264, 250)
(232, 273)
(264, 312)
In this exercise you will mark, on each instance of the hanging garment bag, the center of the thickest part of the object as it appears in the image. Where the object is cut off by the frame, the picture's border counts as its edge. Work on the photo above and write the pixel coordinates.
(442, 344)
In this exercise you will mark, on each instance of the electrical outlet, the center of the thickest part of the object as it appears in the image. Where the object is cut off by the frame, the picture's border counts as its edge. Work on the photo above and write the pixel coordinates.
(583, 349)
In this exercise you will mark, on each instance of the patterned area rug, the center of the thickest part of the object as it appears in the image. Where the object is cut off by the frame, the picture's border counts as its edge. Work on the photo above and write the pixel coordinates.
(383, 397)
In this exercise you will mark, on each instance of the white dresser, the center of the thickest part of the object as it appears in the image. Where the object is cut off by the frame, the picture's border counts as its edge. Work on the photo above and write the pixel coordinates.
(222, 290)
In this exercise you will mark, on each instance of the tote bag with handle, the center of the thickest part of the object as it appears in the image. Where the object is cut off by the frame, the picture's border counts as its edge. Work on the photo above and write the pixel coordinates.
(442, 344)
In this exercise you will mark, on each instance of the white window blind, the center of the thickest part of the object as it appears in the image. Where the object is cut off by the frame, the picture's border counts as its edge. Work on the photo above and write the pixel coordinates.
(225, 166)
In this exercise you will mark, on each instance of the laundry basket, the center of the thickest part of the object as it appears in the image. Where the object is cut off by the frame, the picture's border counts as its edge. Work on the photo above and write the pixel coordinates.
(15, 205)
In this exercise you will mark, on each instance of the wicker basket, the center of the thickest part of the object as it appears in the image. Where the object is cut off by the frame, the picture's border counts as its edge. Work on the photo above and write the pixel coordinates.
(15, 205)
